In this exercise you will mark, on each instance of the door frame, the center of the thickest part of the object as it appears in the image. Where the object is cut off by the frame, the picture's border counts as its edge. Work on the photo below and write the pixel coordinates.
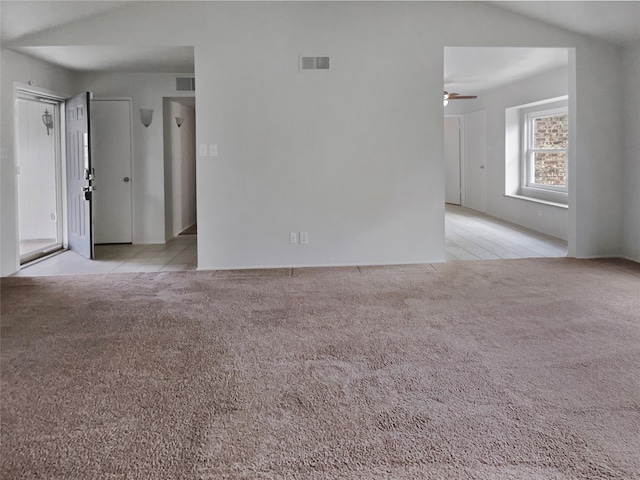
(61, 171)
(131, 162)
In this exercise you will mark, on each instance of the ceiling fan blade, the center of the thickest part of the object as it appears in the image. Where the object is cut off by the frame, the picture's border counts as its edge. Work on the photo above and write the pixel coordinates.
(462, 97)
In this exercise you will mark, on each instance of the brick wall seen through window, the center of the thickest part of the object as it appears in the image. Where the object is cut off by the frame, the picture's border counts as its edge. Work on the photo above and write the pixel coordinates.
(549, 167)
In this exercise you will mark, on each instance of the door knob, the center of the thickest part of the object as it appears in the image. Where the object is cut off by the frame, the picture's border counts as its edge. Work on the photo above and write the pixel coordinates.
(126, 179)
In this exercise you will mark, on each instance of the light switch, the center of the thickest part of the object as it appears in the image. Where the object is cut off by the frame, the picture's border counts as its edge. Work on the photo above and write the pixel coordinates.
(203, 149)
(213, 150)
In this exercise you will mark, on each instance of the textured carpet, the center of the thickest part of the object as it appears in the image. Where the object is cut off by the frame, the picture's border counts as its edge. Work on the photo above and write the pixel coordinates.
(519, 369)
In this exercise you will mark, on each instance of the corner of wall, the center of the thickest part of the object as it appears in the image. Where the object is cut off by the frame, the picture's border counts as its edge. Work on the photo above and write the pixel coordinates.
(631, 153)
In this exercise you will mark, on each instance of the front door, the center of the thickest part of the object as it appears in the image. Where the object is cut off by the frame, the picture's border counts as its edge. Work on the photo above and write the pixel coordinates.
(79, 175)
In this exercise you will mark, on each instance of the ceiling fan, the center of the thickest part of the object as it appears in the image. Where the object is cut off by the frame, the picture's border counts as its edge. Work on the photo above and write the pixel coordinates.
(456, 96)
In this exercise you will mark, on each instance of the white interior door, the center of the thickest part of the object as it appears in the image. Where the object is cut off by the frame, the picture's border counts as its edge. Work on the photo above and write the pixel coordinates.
(452, 160)
(111, 142)
(475, 148)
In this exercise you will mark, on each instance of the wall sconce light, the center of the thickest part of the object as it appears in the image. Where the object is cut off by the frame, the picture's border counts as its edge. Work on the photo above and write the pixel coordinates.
(47, 119)
(179, 121)
(146, 115)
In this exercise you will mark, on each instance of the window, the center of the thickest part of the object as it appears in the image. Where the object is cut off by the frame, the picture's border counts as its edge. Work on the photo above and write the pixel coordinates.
(545, 156)
(536, 151)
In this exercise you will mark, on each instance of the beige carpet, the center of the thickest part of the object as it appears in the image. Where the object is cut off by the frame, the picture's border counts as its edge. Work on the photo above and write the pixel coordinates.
(519, 369)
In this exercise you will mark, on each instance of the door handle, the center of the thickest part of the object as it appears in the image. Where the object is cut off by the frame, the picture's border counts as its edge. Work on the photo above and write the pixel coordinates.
(126, 179)
(88, 192)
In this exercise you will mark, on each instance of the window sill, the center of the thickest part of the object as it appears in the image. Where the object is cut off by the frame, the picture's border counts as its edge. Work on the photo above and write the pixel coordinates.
(537, 200)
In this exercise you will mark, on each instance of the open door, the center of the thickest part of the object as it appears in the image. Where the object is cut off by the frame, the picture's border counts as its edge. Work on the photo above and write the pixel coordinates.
(79, 175)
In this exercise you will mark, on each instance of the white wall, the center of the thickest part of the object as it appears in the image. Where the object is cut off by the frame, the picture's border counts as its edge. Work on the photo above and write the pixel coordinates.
(597, 178)
(146, 91)
(342, 154)
(631, 170)
(353, 155)
(549, 84)
(17, 68)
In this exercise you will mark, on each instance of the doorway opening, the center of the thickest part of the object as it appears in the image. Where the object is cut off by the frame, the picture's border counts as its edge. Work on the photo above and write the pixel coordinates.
(112, 148)
(487, 81)
(179, 125)
(39, 169)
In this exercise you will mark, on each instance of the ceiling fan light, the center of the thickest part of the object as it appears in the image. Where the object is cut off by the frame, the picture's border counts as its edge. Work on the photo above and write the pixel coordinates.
(446, 102)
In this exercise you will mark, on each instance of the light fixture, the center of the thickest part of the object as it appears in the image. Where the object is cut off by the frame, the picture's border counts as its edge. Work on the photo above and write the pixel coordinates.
(47, 119)
(446, 98)
(146, 115)
(179, 121)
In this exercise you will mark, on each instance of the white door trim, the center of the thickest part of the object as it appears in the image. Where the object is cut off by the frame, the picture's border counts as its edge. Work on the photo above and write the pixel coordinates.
(52, 96)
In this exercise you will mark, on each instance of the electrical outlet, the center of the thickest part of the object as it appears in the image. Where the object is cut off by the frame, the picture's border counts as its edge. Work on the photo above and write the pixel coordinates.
(203, 150)
(304, 238)
(293, 237)
(213, 150)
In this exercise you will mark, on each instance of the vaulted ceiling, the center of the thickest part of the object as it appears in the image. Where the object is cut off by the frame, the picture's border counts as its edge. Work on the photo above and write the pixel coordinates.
(617, 22)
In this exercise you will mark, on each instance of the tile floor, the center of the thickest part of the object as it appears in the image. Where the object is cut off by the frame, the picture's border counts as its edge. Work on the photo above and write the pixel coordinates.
(177, 254)
(469, 236)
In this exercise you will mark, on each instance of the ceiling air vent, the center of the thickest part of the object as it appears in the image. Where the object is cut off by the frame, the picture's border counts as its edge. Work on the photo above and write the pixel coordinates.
(186, 84)
(314, 63)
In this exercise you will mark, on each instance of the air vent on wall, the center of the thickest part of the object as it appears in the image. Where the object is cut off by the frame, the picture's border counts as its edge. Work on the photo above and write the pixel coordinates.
(314, 63)
(186, 84)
